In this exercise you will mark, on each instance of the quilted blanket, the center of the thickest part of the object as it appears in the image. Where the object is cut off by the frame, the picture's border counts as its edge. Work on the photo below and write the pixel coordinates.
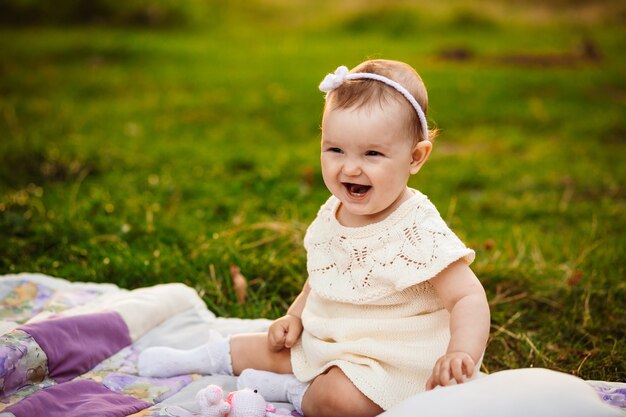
(70, 349)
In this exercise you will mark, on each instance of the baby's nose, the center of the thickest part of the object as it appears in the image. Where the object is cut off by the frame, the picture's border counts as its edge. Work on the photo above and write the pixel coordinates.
(352, 167)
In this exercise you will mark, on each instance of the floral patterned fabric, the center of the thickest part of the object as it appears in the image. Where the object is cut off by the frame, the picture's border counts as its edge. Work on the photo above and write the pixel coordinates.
(21, 299)
(613, 393)
(22, 363)
(119, 374)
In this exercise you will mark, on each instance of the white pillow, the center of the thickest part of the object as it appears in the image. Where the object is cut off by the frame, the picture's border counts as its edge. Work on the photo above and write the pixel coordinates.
(513, 393)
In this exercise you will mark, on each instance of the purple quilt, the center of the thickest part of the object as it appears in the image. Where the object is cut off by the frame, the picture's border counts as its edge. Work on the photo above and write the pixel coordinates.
(70, 350)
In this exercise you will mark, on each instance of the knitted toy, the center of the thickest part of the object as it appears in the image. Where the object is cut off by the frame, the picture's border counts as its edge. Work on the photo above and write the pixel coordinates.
(243, 403)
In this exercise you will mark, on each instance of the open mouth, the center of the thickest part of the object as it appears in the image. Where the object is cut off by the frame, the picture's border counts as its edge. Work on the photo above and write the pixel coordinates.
(357, 190)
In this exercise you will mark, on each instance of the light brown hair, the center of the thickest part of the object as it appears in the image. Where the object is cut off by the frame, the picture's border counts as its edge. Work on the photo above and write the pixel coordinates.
(363, 92)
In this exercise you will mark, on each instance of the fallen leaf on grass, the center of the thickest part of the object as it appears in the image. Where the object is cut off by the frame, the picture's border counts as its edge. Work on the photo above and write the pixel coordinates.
(575, 278)
(240, 284)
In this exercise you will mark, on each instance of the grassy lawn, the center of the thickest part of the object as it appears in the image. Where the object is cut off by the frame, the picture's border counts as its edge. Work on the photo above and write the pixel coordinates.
(142, 156)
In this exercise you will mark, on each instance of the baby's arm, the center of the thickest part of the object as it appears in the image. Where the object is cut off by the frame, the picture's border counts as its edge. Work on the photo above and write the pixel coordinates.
(465, 299)
(285, 331)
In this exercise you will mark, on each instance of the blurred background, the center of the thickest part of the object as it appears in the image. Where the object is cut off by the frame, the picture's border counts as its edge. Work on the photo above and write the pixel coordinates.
(144, 142)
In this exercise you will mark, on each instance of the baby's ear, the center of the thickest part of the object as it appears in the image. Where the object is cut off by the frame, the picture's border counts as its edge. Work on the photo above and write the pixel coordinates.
(419, 155)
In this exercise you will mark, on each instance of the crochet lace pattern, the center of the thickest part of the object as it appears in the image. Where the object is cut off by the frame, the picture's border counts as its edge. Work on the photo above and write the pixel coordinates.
(380, 260)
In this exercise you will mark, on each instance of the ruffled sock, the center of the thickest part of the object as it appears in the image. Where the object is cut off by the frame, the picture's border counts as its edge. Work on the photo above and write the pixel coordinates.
(295, 394)
(274, 387)
(210, 358)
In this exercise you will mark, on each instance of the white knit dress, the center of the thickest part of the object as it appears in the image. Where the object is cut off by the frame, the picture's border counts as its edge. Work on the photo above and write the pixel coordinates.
(371, 310)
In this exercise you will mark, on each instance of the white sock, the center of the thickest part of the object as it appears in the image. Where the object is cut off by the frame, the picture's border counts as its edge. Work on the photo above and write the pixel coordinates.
(295, 394)
(274, 387)
(212, 357)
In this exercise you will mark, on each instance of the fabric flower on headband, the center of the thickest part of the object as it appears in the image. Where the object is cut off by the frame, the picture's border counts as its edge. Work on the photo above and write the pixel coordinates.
(334, 80)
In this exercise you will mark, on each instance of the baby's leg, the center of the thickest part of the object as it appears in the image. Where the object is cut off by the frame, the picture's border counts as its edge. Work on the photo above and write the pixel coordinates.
(251, 351)
(219, 355)
(212, 357)
(333, 394)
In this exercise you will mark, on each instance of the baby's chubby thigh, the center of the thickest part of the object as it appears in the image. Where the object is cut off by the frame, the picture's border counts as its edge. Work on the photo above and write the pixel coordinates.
(333, 394)
(252, 351)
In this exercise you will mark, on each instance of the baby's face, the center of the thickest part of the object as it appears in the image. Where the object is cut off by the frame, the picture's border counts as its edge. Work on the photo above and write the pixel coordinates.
(366, 161)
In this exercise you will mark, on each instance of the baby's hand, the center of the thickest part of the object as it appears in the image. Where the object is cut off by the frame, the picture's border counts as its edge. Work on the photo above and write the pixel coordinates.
(284, 332)
(451, 366)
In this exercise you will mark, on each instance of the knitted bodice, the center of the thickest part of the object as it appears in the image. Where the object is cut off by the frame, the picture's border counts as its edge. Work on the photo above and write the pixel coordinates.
(377, 262)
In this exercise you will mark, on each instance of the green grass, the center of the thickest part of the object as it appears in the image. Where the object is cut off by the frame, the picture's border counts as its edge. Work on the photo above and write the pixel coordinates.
(138, 157)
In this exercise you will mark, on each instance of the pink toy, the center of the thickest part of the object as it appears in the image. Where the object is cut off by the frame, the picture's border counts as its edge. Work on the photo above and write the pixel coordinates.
(212, 404)
(243, 403)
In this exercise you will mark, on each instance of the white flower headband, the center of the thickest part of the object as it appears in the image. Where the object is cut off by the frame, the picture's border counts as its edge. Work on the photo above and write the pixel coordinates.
(341, 74)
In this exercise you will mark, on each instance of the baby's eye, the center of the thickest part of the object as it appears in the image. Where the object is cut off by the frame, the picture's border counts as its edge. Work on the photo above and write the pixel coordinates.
(335, 150)
(373, 153)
